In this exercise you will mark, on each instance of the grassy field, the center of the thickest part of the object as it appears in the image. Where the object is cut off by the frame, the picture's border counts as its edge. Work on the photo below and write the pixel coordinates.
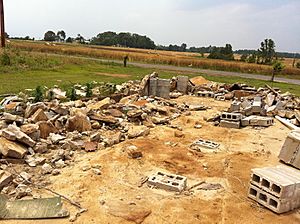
(29, 70)
(151, 56)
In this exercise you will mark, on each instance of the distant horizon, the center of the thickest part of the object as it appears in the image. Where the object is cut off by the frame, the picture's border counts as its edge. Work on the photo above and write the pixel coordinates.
(241, 23)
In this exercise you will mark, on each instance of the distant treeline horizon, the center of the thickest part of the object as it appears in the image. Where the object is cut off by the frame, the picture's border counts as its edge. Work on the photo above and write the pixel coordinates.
(133, 40)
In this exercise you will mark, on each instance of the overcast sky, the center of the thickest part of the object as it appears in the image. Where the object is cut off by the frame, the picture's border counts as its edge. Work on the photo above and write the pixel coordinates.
(242, 23)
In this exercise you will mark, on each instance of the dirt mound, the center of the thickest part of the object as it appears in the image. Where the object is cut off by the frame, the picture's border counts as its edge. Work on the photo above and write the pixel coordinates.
(199, 80)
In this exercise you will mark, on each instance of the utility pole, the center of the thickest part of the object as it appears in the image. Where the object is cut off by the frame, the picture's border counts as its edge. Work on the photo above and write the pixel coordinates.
(2, 24)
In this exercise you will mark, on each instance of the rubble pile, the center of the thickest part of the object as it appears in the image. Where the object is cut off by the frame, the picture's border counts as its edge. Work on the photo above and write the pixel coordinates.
(44, 137)
(48, 135)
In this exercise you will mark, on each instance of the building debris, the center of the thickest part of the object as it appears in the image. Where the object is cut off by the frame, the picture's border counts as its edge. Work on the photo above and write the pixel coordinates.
(169, 182)
(44, 208)
(201, 143)
(276, 188)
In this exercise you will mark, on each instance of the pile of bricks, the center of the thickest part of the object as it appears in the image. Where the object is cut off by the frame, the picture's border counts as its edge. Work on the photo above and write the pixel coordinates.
(278, 188)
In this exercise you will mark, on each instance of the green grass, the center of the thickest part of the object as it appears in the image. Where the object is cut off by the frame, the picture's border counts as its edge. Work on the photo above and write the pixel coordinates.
(64, 72)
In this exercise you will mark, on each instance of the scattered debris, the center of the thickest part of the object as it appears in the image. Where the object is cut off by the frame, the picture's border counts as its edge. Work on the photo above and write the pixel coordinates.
(201, 143)
(169, 182)
(44, 208)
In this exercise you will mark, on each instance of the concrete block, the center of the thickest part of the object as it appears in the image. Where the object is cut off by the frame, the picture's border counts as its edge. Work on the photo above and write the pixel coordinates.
(245, 121)
(205, 94)
(290, 151)
(230, 124)
(281, 182)
(257, 121)
(257, 105)
(220, 97)
(235, 106)
(231, 116)
(169, 182)
(182, 84)
(271, 202)
(205, 144)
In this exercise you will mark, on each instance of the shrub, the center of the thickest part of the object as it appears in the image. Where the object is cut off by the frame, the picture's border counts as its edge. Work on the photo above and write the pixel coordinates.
(298, 65)
(72, 94)
(89, 91)
(38, 94)
(5, 59)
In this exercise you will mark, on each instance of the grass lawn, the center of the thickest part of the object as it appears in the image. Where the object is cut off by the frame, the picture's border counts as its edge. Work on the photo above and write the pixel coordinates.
(82, 72)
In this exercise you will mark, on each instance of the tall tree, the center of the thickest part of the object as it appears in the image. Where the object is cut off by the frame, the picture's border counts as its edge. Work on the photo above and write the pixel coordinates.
(267, 52)
(50, 36)
(61, 35)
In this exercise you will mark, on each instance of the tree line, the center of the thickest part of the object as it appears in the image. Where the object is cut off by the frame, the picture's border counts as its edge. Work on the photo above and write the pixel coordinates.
(266, 54)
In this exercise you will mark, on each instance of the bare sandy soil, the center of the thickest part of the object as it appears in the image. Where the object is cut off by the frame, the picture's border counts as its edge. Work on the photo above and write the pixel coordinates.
(117, 190)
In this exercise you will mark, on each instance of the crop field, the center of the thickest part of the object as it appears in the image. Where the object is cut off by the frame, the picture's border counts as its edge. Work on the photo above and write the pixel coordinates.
(153, 56)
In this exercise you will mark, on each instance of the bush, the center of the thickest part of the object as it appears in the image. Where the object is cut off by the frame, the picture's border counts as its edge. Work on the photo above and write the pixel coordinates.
(72, 94)
(38, 94)
(298, 65)
(5, 59)
(89, 91)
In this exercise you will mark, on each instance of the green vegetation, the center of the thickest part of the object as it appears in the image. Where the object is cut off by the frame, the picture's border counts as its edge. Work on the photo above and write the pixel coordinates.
(123, 39)
(224, 53)
(38, 94)
(29, 70)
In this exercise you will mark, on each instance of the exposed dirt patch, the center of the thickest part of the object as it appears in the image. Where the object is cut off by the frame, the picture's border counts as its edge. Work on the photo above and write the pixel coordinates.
(113, 75)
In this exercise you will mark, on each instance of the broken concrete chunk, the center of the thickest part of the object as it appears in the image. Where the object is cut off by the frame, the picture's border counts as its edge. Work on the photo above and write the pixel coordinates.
(46, 128)
(12, 149)
(13, 133)
(9, 118)
(5, 179)
(79, 123)
(137, 131)
(103, 104)
(32, 108)
(39, 115)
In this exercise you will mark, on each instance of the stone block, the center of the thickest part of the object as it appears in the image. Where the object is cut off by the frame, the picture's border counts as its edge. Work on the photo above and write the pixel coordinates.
(281, 181)
(257, 121)
(230, 124)
(231, 116)
(290, 151)
(269, 201)
(235, 106)
(182, 84)
(205, 94)
(201, 143)
(169, 182)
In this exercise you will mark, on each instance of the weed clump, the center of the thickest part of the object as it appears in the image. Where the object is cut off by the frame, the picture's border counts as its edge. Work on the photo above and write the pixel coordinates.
(5, 59)
(38, 94)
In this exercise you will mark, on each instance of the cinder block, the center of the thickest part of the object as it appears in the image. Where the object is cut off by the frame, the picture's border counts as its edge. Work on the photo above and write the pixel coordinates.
(271, 202)
(290, 151)
(230, 124)
(257, 105)
(257, 121)
(204, 144)
(182, 84)
(169, 182)
(276, 181)
(231, 116)
(205, 94)
(235, 106)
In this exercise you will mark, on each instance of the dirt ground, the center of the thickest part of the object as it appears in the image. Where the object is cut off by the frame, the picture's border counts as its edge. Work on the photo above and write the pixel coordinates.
(116, 190)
